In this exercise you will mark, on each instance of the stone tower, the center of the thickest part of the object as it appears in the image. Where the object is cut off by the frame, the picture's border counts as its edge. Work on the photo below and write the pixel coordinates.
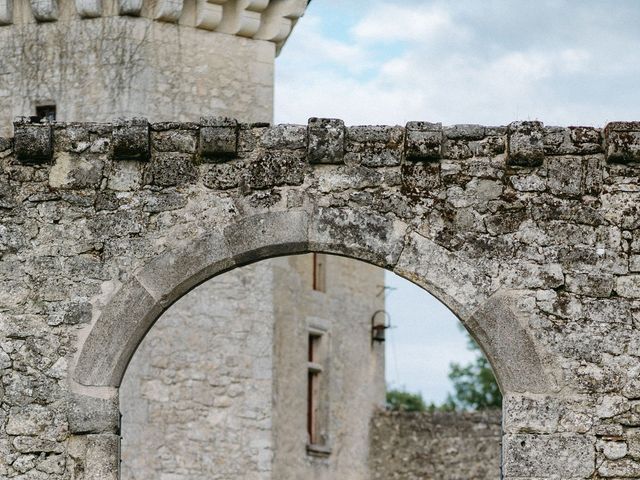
(223, 384)
(168, 60)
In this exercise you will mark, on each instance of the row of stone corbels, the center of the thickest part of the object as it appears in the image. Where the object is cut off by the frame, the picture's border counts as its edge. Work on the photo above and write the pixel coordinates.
(527, 143)
(258, 19)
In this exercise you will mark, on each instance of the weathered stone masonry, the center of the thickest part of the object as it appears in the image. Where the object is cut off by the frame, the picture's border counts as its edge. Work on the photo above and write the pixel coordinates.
(530, 234)
(438, 445)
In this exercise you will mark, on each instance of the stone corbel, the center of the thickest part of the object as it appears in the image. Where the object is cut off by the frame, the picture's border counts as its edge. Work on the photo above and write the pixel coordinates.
(89, 8)
(6, 12)
(168, 10)
(242, 17)
(209, 13)
(130, 7)
(44, 10)
(279, 19)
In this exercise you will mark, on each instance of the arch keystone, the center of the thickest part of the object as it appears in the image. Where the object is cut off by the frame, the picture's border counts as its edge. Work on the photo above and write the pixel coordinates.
(268, 235)
(360, 234)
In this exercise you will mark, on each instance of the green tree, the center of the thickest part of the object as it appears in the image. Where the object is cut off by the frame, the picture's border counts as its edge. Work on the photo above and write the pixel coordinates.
(475, 386)
(401, 400)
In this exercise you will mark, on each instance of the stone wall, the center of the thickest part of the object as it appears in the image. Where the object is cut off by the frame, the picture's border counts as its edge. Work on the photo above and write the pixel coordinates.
(529, 234)
(197, 397)
(438, 446)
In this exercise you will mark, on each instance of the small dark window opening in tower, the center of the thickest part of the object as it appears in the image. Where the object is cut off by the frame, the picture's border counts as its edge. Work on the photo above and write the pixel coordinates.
(46, 112)
(313, 390)
(319, 272)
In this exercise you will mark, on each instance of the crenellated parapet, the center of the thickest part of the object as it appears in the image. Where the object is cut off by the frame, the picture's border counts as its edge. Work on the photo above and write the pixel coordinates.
(329, 141)
(269, 20)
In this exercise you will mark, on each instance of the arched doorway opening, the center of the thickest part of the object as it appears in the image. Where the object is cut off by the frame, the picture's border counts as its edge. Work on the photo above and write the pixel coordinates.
(221, 386)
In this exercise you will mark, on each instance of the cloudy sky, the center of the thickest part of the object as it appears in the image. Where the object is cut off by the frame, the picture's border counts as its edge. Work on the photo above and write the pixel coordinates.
(464, 61)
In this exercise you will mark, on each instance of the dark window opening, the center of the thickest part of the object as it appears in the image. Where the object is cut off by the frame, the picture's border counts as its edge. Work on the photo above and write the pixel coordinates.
(46, 112)
(313, 389)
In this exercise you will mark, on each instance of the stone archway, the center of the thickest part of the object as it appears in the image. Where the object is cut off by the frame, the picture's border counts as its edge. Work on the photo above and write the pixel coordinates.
(488, 315)
(478, 216)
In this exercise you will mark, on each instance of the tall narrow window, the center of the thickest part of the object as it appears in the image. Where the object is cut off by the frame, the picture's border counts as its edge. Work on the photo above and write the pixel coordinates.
(314, 368)
(319, 271)
(47, 112)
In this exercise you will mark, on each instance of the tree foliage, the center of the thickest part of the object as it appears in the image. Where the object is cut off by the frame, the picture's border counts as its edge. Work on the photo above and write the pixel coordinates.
(475, 386)
(401, 400)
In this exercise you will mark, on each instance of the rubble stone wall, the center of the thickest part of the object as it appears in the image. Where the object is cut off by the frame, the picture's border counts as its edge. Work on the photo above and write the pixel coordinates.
(439, 445)
(530, 234)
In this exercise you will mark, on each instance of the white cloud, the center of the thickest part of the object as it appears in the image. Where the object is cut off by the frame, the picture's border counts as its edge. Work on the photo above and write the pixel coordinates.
(316, 48)
(404, 22)
(456, 65)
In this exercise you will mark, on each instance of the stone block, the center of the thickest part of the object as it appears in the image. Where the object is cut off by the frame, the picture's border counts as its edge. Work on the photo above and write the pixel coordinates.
(591, 284)
(93, 415)
(29, 420)
(586, 139)
(33, 142)
(423, 141)
(266, 235)
(223, 176)
(168, 169)
(565, 175)
(45, 10)
(275, 168)
(531, 414)
(105, 354)
(572, 141)
(509, 347)
(622, 142)
(420, 179)
(131, 139)
(29, 444)
(440, 272)
(184, 141)
(374, 146)
(102, 457)
(465, 132)
(628, 286)
(367, 236)
(326, 137)
(218, 138)
(622, 468)
(173, 273)
(525, 144)
(75, 172)
(548, 456)
(283, 137)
